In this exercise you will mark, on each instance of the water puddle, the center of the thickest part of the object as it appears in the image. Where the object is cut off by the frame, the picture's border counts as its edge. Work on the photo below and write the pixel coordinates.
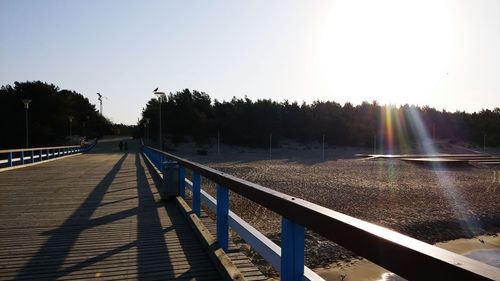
(482, 248)
(491, 257)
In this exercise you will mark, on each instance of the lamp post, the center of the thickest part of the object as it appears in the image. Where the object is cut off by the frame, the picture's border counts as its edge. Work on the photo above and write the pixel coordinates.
(323, 148)
(26, 103)
(70, 118)
(484, 143)
(147, 128)
(161, 96)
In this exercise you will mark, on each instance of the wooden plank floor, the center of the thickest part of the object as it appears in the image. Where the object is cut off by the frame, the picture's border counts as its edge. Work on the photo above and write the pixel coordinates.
(239, 259)
(94, 216)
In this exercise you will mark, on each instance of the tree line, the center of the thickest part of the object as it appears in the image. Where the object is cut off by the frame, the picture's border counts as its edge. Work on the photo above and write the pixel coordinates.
(53, 114)
(194, 115)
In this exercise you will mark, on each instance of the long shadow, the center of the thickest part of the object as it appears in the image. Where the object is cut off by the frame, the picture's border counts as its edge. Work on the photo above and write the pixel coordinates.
(190, 246)
(64, 237)
(151, 246)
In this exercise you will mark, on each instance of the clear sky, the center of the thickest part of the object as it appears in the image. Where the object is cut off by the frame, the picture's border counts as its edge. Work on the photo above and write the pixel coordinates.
(445, 54)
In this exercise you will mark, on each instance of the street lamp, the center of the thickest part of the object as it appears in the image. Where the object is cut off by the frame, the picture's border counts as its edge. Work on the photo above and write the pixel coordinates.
(26, 107)
(147, 128)
(70, 118)
(484, 142)
(161, 96)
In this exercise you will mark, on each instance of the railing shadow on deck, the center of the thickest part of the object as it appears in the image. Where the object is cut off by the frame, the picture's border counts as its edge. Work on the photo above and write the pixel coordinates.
(64, 237)
(152, 249)
(153, 255)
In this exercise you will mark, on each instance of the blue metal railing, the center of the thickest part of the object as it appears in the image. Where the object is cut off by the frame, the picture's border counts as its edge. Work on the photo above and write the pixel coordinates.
(22, 156)
(403, 255)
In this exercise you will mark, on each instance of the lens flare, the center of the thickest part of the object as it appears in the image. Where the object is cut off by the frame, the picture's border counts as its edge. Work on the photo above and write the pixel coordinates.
(468, 223)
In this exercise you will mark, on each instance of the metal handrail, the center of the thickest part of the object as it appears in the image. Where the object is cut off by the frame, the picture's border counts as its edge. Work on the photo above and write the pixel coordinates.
(403, 255)
(38, 154)
(37, 148)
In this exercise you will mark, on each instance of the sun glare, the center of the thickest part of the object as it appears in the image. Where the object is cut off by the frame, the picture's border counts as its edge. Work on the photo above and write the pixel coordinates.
(395, 52)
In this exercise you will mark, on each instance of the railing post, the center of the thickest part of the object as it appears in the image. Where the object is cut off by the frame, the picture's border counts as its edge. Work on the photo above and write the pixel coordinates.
(32, 156)
(222, 214)
(182, 181)
(40, 155)
(292, 250)
(21, 155)
(59, 152)
(9, 159)
(196, 193)
(161, 159)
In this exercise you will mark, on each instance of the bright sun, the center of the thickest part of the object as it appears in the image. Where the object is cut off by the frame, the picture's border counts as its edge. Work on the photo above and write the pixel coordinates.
(391, 51)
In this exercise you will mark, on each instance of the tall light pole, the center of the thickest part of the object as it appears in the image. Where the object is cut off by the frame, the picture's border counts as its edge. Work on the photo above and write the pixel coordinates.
(218, 142)
(270, 145)
(147, 128)
(161, 96)
(323, 149)
(70, 118)
(484, 143)
(26, 107)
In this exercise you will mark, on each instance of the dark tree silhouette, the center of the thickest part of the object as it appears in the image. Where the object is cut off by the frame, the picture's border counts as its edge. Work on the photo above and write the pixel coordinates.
(49, 114)
(241, 121)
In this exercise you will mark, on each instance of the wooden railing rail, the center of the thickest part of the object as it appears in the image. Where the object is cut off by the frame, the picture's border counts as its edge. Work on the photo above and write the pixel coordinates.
(22, 156)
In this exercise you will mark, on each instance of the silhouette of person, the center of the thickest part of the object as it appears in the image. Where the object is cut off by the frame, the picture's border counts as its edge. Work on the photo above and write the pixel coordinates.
(120, 145)
(125, 146)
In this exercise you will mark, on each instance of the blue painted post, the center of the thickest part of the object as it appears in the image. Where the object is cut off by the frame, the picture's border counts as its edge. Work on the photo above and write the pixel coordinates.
(32, 156)
(292, 250)
(222, 214)
(39, 155)
(196, 193)
(182, 182)
(59, 152)
(9, 159)
(161, 159)
(21, 155)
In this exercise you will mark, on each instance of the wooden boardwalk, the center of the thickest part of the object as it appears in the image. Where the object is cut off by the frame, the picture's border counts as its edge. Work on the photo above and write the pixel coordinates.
(94, 216)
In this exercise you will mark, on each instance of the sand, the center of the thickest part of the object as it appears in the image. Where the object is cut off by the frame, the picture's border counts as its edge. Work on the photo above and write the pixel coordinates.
(432, 204)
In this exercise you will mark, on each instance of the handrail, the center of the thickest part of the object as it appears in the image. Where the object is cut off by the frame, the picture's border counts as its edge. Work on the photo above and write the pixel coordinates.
(37, 148)
(38, 154)
(403, 255)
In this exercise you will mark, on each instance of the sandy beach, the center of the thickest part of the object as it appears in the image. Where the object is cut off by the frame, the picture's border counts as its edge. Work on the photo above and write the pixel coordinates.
(432, 204)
